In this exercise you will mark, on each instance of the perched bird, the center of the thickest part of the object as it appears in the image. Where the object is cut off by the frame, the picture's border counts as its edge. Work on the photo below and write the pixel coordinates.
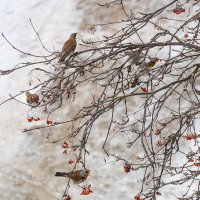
(69, 47)
(32, 98)
(151, 63)
(78, 176)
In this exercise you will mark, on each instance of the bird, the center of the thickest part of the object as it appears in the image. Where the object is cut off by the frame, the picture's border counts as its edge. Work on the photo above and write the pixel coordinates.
(151, 63)
(78, 176)
(69, 47)
(32, 98)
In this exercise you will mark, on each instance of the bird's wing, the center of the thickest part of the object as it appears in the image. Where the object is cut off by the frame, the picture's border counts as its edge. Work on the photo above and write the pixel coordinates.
(75, 176)
(68, 47)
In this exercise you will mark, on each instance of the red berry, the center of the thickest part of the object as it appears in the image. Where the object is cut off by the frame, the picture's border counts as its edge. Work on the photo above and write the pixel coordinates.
(127, 168)
(71, 162)
(64, 145)
(36, 119)
(49, 122)
(144, 89)
(30, 119)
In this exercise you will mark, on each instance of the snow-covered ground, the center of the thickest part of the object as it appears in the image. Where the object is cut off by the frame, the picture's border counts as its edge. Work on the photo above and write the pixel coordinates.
(29, 161)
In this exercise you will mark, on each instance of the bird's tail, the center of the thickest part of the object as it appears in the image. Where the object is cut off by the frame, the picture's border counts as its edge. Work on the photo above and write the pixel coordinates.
(64, 174)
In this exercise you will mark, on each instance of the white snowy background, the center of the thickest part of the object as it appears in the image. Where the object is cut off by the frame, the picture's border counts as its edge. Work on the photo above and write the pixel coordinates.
(28, 161)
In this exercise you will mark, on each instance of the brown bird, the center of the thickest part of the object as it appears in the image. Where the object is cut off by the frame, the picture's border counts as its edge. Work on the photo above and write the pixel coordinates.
(78, 176)
(151, 63)
(32, 98)
(69, 47)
